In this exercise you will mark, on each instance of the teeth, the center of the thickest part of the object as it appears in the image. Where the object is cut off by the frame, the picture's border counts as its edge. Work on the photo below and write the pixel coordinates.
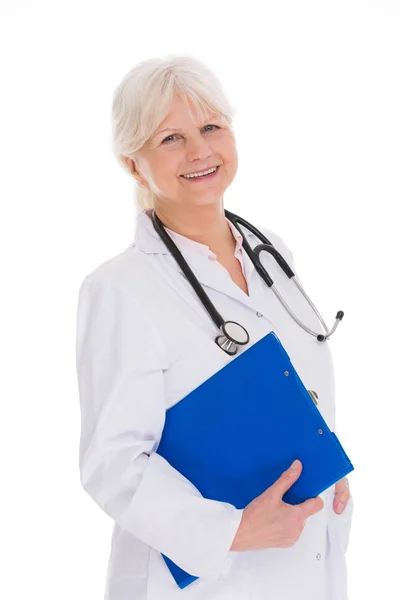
(201, 174)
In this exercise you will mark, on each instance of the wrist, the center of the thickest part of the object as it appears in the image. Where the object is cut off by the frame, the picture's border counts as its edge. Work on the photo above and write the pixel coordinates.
(238, 544)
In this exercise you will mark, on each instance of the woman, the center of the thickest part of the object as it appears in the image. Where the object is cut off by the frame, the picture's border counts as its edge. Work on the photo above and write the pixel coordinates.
(144, 341)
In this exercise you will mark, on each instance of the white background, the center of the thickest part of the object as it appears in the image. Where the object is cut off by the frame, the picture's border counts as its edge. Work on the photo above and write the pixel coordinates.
(316, 91)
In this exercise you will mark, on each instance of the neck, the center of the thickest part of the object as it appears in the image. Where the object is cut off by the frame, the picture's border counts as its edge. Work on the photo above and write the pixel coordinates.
(204, 224)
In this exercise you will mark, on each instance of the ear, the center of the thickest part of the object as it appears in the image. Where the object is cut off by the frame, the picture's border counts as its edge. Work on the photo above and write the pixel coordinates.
(132, 167)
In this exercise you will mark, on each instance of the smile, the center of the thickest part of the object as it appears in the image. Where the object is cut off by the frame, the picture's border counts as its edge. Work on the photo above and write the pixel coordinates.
(205, 175)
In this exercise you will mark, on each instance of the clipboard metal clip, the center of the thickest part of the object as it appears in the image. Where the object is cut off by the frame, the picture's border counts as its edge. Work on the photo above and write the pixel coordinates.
(314, 396)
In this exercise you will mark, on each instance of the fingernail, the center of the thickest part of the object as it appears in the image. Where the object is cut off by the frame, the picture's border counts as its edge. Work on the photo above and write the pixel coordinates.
(294, 465)
(340, 507)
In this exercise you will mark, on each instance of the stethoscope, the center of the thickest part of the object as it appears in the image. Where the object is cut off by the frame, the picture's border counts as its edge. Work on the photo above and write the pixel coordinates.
(234, 334)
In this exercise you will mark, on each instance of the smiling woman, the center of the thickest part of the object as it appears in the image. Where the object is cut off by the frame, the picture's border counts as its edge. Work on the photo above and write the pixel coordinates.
(144, 342)
(176, 138)
(190, 167)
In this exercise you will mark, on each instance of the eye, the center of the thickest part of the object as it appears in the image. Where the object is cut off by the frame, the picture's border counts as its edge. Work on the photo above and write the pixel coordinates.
(167, 138)
(173, 135)
(212, 126)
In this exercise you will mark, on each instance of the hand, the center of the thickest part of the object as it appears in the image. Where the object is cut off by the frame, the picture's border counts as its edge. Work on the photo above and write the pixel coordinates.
(342, 495)
(268, 522)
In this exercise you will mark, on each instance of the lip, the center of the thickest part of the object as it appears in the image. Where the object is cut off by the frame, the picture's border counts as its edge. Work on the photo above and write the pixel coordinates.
(200, 170)
(202, 181)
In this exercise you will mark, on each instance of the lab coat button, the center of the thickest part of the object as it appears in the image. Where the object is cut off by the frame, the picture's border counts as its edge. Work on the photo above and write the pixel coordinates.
(259, 314)
(318, 556)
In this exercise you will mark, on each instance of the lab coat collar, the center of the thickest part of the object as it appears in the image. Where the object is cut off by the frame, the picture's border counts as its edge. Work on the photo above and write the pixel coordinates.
(147, 240)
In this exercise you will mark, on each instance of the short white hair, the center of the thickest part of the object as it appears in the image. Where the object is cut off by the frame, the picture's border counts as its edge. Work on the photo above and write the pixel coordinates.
(144, 97)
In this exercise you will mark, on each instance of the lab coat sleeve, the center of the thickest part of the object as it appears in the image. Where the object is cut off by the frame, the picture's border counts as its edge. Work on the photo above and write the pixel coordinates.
(120, 362)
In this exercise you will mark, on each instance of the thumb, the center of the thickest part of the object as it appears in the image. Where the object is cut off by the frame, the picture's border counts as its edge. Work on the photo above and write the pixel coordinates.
(311, 506)
(288, 477)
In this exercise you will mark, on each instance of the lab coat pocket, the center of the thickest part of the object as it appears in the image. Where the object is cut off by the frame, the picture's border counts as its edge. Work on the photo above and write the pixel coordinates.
(339, 526)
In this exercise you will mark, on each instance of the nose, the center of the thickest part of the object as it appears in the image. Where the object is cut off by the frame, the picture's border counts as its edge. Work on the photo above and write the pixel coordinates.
(198, 149)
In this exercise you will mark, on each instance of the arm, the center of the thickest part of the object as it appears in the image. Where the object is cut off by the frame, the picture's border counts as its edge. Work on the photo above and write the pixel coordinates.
(120, 361)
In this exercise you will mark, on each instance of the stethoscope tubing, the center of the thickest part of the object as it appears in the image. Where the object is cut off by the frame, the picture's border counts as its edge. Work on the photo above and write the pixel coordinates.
(208, 305)
(267, 246)
(227, 341)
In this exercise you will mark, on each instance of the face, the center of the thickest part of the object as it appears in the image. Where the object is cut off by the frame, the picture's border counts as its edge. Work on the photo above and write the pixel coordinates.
(187, 146)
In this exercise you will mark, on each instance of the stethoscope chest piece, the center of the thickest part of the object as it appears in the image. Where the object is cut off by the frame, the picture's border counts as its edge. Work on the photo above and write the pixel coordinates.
(234, 334)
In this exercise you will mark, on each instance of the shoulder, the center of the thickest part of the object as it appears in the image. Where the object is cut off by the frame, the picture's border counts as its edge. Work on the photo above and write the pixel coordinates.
(118, 271)
(112, 290)
(110, 306)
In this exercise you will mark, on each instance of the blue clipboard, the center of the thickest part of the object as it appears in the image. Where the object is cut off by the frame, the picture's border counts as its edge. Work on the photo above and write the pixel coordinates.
(235, 434)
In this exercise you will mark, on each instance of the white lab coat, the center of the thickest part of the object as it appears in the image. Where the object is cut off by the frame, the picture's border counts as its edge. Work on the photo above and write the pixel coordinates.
(144, 341)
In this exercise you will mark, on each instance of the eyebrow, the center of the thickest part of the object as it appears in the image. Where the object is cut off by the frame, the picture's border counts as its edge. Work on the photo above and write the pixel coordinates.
(176, 128)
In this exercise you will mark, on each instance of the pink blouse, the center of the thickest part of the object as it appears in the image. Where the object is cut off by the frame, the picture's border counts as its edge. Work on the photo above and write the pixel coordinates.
(204, 249)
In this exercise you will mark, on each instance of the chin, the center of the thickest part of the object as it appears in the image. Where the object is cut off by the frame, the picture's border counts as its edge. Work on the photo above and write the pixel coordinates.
(207, 201)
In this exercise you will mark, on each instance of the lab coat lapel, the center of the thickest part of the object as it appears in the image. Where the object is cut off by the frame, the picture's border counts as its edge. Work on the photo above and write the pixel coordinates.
(210, 274)
(214, 276)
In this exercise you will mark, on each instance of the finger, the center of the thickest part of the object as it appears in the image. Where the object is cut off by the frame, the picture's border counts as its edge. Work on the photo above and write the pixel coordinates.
(342, 485)
(339, 506)
(342, 494)
(287, 479)
(340, 502)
